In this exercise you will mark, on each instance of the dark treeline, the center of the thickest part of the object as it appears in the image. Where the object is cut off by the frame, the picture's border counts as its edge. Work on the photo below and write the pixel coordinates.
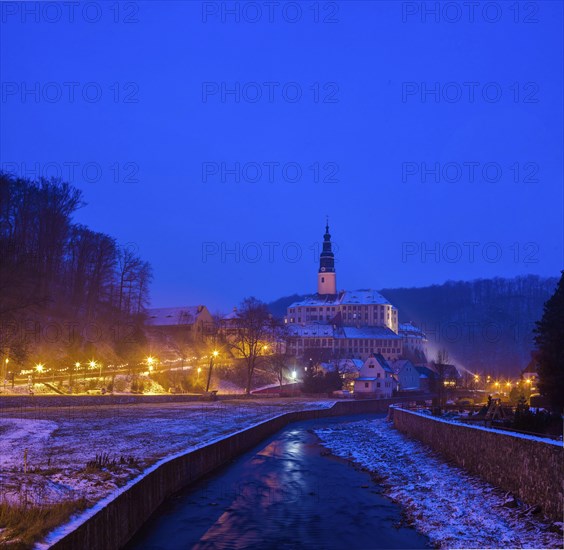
(66, 291)
(486, 325)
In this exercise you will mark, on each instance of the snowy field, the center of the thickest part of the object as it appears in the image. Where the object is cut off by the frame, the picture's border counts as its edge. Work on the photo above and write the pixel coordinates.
(50, 454)
(454, 509)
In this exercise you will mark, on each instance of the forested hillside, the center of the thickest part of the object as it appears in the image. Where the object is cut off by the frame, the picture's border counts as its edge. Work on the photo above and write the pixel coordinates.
(65, 291)
(486, 324)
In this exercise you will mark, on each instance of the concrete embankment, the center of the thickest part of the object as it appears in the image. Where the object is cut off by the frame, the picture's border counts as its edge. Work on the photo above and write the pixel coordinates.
(529, 467)
(113, 524)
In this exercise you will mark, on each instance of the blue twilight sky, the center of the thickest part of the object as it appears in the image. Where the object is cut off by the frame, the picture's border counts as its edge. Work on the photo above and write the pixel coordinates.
(345, 109)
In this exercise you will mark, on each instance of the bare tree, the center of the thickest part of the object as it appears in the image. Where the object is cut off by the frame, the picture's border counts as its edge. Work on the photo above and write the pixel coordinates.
(251, 336)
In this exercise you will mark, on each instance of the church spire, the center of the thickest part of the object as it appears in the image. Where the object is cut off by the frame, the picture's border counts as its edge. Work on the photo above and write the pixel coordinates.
(326, 278)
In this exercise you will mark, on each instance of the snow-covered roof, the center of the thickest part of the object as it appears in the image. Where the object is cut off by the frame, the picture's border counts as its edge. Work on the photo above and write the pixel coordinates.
(312, 329)
(379, 358)
(531, 368)
(171, 316)
(398, 364)
(409, 327)
(411, 331)
(425, 372)
(323, 330)
(356, 362)
(345, 297)
(367, 332)
(232, 315)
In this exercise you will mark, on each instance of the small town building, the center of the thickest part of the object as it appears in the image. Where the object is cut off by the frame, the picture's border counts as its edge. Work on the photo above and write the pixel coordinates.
(427, 378)
(408, 376)
(375, 378)
(191, 321)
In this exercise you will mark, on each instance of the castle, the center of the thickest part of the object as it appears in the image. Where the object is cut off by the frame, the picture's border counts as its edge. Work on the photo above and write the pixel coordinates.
(335, 324)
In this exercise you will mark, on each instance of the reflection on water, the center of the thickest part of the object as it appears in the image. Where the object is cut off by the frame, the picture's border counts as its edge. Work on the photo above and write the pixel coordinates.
(283, 494)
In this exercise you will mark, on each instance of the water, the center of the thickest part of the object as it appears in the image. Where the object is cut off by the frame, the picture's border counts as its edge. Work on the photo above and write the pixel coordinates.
(286, 493)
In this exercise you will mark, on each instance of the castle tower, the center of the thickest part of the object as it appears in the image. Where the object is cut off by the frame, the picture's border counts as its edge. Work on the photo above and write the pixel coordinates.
(326, 277)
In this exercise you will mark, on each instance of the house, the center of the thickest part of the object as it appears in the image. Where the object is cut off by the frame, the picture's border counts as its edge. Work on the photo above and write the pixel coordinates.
(190, 321)
(375, 378)
(414, 342)
(530, 374)
(407, 375)
(427, 378)
(450, 375)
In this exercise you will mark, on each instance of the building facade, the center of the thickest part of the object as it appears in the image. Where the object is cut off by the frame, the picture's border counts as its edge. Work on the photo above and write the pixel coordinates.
(375, 378)
(342, 324)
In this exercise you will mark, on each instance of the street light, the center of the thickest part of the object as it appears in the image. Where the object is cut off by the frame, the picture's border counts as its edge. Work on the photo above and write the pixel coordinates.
(212, 357)
(150, 362)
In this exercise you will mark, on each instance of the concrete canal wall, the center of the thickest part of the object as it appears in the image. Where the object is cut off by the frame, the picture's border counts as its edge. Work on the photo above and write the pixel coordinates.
(530, 468)
(121, 517)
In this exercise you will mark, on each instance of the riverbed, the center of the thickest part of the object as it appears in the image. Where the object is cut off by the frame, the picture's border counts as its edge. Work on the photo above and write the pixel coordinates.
(288, 492)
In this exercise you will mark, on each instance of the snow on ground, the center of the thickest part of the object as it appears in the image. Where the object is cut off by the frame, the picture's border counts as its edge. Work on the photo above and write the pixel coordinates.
(58, 443)
(453, 508)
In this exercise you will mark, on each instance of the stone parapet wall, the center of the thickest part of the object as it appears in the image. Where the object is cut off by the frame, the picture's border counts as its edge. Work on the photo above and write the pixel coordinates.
(531, 469)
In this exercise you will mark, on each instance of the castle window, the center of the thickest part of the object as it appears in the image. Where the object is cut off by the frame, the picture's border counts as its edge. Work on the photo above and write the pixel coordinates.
(322, 279)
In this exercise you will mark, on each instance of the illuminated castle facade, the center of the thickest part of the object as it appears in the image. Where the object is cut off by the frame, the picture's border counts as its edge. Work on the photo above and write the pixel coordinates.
(342, 324)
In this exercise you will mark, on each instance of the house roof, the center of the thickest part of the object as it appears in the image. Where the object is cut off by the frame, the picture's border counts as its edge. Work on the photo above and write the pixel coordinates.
(345, 297)
(172, 316)
(450, 371)
(398, 364)
(531, 368)
(381, 361)
(425, 372)
(312, 329)
(411, 328)
(376, 333)
(323, 330)
(355, 362)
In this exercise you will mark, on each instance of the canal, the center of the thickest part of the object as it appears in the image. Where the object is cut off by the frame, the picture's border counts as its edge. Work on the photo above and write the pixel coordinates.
(286, 493)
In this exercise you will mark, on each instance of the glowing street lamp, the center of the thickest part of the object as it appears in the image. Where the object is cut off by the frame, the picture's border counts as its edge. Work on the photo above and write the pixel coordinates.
(214, 354)
(6, 361)
(150, 362)
(93, 365)
(39, 367)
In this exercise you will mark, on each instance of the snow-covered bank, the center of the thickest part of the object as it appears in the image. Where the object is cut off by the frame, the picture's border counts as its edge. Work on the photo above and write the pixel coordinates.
(51, 454)
(454, 509)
